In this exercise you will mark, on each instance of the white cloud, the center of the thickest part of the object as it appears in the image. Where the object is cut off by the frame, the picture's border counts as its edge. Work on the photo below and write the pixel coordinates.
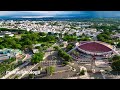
(50, 13)
(2, 13)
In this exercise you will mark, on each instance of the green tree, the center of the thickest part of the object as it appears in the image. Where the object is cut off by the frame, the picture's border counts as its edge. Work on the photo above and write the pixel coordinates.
(118, 45)
(64, 63)
(37, 47)
(56, 48)
(39, 68)
(42, 33)
(50, 70)
(116, 65)
(69, 47)
(1, 47)
(115, 57)
(42, 45)
(16, 77)
(70, 38)
(31, 76)
(27, 42)
(61, 45)
(82, 72)
(17, 46)
(1, 39)
(37, 57)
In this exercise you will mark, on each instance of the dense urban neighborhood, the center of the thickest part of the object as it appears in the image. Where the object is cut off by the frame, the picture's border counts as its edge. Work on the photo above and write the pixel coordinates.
(79, 49)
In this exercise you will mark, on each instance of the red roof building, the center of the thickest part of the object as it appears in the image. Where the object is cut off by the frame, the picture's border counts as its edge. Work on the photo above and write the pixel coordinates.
(94, 48)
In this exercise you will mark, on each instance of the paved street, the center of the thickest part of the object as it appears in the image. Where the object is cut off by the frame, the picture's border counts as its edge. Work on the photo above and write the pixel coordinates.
(48, 56)
(17, 69)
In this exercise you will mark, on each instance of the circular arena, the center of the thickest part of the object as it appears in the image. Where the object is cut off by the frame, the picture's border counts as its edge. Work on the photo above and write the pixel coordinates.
(94, 47)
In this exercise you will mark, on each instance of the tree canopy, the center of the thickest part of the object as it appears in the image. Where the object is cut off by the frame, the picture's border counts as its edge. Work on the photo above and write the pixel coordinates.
(70, 38)
(116, 65)
(27, 40)
(37, 57)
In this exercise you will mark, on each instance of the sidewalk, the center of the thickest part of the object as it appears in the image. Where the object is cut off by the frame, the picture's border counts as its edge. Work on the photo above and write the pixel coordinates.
(46, 55)
(16, 69)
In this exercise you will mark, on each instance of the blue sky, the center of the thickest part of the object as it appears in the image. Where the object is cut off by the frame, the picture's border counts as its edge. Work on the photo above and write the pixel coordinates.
(61, 13)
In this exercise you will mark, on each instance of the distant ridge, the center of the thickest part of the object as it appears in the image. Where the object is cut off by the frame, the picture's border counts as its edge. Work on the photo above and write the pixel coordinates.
(59, 14)
(47, 18)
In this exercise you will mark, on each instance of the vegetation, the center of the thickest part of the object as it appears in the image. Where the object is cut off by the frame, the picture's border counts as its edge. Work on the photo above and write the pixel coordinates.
(31, 76)
(64, 63)
(118, 45)
(19, 31)
(39, 68)
(69, 47)
(7, 66)
(82, 72)
(42, 34)
(9, 61)
(83, 38)
(105, 36)
(105, 27)
(115, 57)
(26, 41)
(115, 63)
(64, 55)
(62, 45)
(50, 70)
(70, 38)
(56, 48)
(16, 77)
(37, 57)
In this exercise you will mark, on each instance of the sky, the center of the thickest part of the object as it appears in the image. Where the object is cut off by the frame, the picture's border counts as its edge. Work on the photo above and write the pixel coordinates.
(60, 13)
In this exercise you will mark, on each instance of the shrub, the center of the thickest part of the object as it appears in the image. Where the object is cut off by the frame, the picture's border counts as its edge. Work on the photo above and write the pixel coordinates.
(31, 76)
(61, 45)
(116, 57)
(50, 70)
(65, 63)
(82, 72)
(116, 65)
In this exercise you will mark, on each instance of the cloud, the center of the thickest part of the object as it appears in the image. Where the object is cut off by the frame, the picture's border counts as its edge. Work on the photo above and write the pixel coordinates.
(3, 13)
(61, 13)
(52, 13)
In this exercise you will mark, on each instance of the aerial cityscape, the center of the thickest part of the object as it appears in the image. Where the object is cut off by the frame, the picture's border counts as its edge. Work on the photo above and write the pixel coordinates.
(59, 44)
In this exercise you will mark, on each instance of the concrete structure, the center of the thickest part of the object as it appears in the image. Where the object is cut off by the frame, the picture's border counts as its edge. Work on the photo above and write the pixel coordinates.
(3, 33)
(94, 48)
(8, 53)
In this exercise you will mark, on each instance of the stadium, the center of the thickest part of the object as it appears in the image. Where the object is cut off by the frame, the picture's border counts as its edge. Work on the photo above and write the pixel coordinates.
(86, 50)
(95, 48)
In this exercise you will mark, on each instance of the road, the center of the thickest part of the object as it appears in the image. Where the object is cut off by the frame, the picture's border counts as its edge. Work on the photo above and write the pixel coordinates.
(48, 52)
(16, 69)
